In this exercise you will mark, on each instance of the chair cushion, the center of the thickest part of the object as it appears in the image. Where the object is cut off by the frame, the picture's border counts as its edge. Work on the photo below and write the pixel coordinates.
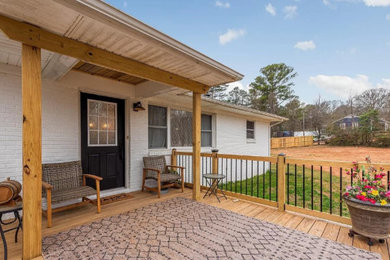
(75, 193)
(167, 177)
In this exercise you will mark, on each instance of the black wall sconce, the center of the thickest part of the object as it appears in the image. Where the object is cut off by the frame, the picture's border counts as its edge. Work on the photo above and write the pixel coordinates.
(138, 107)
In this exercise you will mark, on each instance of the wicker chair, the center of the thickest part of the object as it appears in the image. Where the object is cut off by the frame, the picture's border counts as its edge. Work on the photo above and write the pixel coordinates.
(155, 168)
(65, 181)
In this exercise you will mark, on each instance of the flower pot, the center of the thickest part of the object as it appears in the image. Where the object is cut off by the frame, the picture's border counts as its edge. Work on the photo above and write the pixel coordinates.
(369, 220)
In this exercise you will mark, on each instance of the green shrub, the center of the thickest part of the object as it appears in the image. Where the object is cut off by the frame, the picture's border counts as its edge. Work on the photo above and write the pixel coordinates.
(344, 139)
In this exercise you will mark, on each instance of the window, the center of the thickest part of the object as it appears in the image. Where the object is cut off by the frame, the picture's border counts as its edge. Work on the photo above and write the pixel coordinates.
(157, 122)
(181, 129)
(250, 129)
(102, 120)
(207, 131)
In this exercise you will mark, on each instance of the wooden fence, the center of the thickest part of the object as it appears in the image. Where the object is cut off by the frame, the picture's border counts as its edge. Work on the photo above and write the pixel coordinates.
(286, 142)
(309, 187)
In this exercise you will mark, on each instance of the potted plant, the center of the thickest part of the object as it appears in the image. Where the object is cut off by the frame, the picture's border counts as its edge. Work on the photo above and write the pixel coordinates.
(368, 202)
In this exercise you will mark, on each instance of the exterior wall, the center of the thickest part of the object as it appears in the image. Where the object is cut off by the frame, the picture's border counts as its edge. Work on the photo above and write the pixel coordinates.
(61, 124)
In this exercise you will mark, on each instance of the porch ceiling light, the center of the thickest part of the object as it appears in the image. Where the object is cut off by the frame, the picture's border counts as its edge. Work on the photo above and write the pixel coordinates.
(138, 107)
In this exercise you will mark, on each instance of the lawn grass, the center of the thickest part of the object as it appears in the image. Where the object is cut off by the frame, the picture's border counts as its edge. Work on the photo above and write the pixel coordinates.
(300, 188)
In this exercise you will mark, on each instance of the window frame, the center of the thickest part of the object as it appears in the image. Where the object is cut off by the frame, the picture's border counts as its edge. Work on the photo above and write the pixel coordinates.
(251, 130)
(97, 130)
(160, 127)
(169, 143)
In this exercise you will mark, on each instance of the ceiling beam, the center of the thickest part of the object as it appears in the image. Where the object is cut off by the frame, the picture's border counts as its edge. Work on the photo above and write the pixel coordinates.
(34, 36)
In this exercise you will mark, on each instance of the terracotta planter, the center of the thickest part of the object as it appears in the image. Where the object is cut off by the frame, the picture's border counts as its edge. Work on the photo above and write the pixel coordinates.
(369, 220)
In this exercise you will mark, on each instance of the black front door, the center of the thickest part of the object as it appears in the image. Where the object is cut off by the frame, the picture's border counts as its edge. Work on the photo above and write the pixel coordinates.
(102, 139)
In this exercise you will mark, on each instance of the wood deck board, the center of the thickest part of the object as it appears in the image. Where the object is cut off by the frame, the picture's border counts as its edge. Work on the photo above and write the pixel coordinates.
(79, 216)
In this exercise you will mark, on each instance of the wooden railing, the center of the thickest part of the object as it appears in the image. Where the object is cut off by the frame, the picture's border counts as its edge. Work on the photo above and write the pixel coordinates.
(286, 142)
(309, 187)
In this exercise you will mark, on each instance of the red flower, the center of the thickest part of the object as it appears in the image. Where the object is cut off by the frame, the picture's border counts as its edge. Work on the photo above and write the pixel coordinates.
(346, 194)
(367, 187)
(372, 201)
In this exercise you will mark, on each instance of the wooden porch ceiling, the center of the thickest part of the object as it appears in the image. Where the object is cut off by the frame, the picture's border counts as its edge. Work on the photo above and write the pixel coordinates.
(106, 73)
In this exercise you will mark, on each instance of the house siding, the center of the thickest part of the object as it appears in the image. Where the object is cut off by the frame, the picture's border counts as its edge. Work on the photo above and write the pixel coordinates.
(61, 125)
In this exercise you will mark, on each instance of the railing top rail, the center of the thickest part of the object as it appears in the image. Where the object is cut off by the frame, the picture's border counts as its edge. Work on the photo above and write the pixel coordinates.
(234, 156)
(326, 163)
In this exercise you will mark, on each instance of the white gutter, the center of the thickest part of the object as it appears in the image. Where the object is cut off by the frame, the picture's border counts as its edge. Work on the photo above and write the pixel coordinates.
(108, 13)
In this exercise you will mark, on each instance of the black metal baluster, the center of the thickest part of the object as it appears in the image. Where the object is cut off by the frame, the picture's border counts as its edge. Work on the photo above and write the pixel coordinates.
(341, 192)
(321, 188)
(312, 193)
(264, 180)
(258, 180)
(388, 180)
(235, 185)
(303, 183)
(246, 177)
(288, 183)
(226, 171)
(295, 185)
(252, 178)
(351, 176)
(270, 182)
(330, 188)
(277, 175)
(241, 177)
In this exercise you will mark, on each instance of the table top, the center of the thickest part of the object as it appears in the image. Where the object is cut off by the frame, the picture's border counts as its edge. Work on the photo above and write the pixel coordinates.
(7, 209)
(214, 176)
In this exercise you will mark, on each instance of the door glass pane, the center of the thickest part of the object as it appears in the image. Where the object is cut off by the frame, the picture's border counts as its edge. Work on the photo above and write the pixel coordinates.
(102, 120)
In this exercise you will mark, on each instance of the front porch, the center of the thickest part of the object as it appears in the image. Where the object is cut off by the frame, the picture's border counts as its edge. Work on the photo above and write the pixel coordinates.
(76, 217)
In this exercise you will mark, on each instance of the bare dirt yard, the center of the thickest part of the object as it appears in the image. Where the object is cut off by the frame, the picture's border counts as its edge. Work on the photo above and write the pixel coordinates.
(336, 153)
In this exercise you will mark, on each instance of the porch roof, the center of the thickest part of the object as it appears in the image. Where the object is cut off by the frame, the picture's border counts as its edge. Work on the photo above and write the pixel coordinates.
(100, 25)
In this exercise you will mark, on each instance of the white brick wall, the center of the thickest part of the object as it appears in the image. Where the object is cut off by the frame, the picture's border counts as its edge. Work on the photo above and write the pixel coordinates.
(61, 125)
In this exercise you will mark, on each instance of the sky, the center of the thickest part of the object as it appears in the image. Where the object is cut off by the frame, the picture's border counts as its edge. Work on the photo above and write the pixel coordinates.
(339, 48)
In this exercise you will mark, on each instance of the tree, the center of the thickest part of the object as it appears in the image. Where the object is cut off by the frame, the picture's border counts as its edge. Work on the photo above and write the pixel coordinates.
(373, 99)
(293, 110)
(368, 124)
(272, 88)
(238, 96)
(318, 116)
(217, 92)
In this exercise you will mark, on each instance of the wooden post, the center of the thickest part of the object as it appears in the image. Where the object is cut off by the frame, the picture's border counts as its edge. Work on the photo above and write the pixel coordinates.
(174, 157)
(281, 181)
(32, 153)
(214, 158)
(196, 121)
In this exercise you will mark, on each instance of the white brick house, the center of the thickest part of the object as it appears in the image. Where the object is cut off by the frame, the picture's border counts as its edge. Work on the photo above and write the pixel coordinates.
(61, 122)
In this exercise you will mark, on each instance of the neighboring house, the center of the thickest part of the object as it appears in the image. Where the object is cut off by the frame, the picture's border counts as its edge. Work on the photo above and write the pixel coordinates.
(88, 110)
(352, 122)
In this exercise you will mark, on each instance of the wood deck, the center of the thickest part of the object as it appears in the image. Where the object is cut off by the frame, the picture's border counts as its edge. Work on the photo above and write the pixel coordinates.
(67, 219)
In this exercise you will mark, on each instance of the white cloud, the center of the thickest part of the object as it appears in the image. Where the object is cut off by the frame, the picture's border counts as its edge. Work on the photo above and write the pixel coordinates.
(290, 11)
(239, 84)
(230, 35)
(377, 2)
(270, 9)
(326, 2)
(222, 4)
(305, 45)
(388, 16)
(384, 84)
(345, 86)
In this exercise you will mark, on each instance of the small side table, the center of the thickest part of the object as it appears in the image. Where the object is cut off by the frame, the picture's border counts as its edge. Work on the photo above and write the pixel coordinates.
(10, 209)
(213, 180)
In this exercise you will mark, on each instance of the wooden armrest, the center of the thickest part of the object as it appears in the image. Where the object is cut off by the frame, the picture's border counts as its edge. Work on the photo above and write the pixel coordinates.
(91, 176)
(46, 185)
(152, 169)
(175, 166)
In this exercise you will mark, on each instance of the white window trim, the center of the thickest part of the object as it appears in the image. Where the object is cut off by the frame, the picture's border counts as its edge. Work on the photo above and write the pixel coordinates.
(97, 130)
(250, 140)
(169, 146)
